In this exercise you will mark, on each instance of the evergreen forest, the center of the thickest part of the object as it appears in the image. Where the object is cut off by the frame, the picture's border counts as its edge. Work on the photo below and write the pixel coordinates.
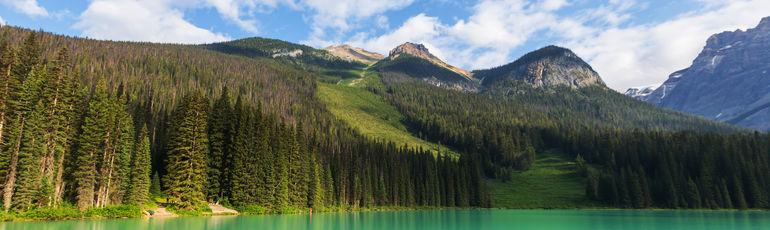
(89, 125)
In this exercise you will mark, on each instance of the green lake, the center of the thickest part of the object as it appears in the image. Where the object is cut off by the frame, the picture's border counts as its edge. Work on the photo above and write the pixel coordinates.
(434, 219)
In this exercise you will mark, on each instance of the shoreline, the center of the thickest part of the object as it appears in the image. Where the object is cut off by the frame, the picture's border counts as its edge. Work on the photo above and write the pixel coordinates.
(380, 209)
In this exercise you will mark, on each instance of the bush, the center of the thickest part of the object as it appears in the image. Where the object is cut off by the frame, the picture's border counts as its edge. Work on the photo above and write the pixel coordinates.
(115, 211)
(288, 210)
(63, 211)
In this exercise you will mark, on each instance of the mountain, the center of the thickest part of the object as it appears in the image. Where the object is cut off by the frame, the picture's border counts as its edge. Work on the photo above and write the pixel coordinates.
(411, 60)
(548, 67)
(729, 81)
(419, 50)
(350, 53)
(640, 92)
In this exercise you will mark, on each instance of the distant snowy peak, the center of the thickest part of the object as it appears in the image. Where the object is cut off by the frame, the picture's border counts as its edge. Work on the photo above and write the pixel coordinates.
(640, 92)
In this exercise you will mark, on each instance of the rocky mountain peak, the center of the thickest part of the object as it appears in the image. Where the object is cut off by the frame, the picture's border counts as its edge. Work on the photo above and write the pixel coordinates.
(420, 51)
(547, 67)
(350, 53)
(417, 50)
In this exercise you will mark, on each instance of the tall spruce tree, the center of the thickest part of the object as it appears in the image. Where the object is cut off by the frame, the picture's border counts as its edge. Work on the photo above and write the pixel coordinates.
(29, 172)
(91, 145)
(297, 168)
(139, 190)
(187, 151)
(219, 128)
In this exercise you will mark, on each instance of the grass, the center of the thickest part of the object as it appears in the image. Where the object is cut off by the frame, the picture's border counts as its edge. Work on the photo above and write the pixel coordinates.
(370, 114)
(69, 211)
(552, 182)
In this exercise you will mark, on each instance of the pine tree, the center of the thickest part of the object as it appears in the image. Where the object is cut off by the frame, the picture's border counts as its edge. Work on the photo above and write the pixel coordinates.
(21, 94)
(297, 171)
(29, 173)
(241, 154)
(281, 154)
(58, 98)
(219, 141)
(188, 148)
(316, 192)
(119, 172)
(266, 179)
(91, 145)
(693, 196)
(139, 192)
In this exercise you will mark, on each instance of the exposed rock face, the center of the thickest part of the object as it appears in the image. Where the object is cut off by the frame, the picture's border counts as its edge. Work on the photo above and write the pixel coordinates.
(419, 50)
(729, 81)
(548, 67)
(350, 53)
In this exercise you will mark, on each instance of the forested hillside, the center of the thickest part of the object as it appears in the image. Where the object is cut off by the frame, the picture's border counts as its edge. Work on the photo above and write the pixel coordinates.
(85, 123)
(633, 155)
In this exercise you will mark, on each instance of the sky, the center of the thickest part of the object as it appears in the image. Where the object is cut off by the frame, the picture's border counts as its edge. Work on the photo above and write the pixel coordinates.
(628, 42)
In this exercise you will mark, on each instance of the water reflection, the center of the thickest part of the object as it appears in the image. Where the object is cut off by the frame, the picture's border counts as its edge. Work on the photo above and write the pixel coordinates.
(427, 220)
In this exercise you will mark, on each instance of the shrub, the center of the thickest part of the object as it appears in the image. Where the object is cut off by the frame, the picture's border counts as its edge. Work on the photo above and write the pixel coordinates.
(115, 211)
(63, 211)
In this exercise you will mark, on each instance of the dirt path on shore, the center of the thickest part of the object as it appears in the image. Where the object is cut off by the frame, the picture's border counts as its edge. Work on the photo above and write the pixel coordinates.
(219, 209)
(161, 212)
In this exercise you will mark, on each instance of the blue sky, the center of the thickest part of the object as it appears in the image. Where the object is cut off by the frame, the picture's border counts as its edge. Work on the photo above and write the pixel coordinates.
(629, 42)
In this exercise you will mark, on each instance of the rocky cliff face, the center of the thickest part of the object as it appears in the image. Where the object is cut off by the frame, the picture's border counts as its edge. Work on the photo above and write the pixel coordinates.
(729, 81)
(419, 50)
(548, 67)
(350, 53)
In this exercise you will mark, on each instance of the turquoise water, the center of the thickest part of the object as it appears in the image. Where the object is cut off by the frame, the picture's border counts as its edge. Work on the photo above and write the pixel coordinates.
(436, 219)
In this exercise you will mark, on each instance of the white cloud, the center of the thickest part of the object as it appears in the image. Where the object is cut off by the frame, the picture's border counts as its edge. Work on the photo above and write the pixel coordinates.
(340, 16)
(382, 22)
(28, 7)
(2, 22)
(146, 20)
(337, 13)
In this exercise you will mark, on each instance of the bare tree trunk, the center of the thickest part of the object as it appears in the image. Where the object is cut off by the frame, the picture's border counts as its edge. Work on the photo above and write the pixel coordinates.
(106, 198)
(102, 170)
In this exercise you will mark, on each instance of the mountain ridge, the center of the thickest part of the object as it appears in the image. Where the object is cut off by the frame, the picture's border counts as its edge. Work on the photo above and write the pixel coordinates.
(351, 53)
(547, 67)
(726, 82)
(419, 50)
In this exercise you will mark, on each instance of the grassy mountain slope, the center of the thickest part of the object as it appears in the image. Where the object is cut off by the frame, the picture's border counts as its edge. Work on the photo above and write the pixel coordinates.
(371, 115)
(350, 100)
(552, 182)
